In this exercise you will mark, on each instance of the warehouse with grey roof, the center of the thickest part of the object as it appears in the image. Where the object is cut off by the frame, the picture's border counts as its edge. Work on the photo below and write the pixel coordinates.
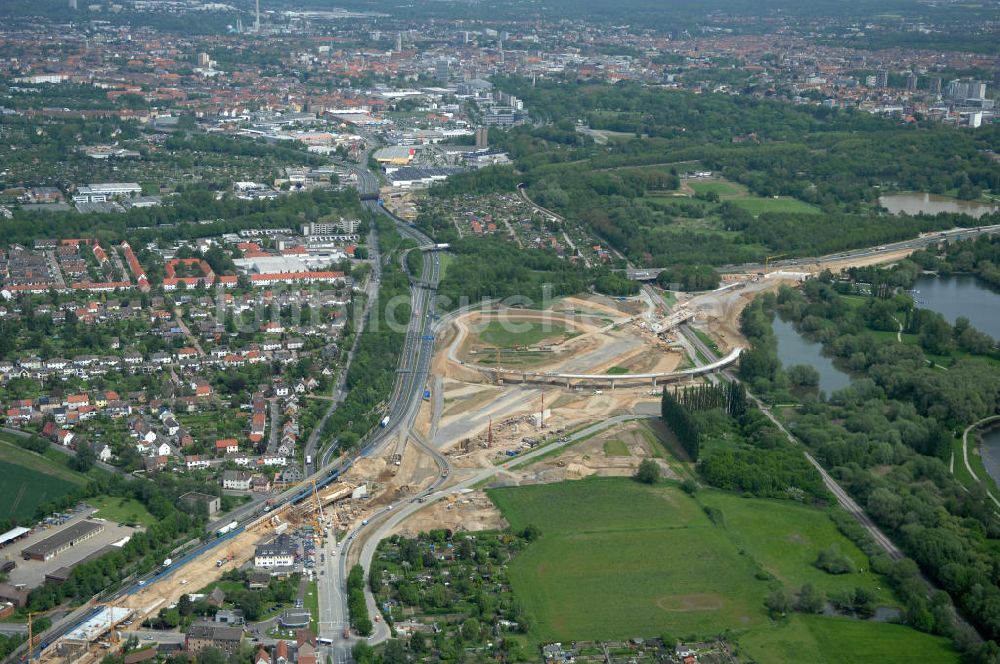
(50, 547)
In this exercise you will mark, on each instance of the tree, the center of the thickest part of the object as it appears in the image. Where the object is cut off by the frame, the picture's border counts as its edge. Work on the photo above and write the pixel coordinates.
(803, 375)
(810, 599)
(470, 630)
(832, 561)
(84, 459)
(531, 532)
(778, 604)
(211, 656)
(648, 472)
(184, 605)
(250, 603)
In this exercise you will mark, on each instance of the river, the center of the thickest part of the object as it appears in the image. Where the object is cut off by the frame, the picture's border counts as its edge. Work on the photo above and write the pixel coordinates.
(961, 295)
(915, 203)
(794, 349)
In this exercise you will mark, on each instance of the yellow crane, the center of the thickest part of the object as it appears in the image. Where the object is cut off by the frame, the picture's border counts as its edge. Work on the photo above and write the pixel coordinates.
(318, 514)
(767, 260)
(31, 637)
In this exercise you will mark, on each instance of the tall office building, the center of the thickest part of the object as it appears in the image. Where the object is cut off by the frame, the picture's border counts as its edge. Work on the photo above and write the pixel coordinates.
(882, 78)
(977, 90)
(441, 71)
(911, 82)
(482, 138)
(399, 42)
(934, 86)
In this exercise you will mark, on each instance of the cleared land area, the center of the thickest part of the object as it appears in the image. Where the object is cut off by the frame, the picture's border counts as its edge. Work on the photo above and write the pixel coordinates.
(618, 559)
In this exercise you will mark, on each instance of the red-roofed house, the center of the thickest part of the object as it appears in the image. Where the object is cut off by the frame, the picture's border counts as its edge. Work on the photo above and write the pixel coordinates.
(227, 446)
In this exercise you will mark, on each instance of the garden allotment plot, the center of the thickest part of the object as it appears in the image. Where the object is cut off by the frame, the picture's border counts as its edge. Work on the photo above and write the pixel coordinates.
(618, 559)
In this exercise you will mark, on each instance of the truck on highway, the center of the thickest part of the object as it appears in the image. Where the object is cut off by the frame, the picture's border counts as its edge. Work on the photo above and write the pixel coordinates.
(385, 422)
(168, 562)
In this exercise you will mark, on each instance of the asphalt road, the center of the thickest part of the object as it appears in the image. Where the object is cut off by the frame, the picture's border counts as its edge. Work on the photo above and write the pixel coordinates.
(888, 248)
(414, 370)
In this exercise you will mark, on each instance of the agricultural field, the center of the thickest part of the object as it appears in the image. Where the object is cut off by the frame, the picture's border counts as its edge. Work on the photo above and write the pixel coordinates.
(121, 510)
(829, 640)
(28, 479)
(24, 489)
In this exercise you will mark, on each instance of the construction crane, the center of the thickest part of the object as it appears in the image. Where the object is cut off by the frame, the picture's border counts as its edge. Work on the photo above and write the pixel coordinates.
(318, 514)
(767, 260)
(31, 637)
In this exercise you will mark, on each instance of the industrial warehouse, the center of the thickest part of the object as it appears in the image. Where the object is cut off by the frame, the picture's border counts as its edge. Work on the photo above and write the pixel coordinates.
(50, 547)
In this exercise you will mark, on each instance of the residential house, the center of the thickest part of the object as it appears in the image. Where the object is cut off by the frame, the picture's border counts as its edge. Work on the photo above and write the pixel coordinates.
(201, 635)
(194, 461)
(236, 480)
(227, 446)
(279, 553)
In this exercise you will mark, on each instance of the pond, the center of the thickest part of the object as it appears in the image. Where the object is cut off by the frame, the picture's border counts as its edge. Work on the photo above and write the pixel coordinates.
(989, 450)
(960, 295)
(794, 349)
(915, 203)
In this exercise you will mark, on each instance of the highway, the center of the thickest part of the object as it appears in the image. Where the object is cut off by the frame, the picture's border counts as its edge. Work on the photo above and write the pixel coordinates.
(339, 391)
(855, 254)
(414, 366)
(414, 370)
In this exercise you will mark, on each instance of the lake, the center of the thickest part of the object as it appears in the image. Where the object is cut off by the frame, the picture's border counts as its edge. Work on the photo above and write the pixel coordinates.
(990, 452)
(961, 295)
(915, 203)
(794, 349)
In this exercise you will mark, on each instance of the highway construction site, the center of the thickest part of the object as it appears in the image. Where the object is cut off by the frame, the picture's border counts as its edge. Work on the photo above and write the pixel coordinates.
(478, 417)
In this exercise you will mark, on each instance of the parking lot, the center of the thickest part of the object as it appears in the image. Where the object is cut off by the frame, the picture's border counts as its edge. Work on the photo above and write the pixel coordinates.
(31, 573)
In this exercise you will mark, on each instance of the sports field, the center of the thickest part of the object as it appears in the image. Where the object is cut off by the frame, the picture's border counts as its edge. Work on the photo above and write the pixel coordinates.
(828, 640)
(618, 559)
